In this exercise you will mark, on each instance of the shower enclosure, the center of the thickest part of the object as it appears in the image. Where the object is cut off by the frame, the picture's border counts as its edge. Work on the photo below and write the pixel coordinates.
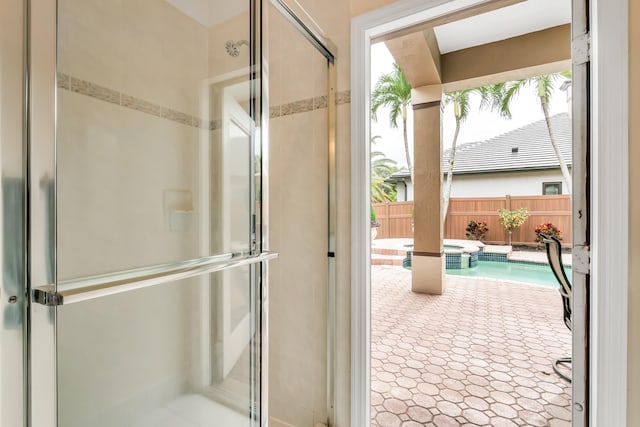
(133, 144)
(134, 263)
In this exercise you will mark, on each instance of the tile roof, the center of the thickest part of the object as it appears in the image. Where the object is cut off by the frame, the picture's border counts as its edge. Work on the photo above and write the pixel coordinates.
(525, 148)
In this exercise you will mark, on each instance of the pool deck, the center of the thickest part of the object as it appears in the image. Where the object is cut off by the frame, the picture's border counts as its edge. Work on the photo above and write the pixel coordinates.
(479, 355)
(392, 251)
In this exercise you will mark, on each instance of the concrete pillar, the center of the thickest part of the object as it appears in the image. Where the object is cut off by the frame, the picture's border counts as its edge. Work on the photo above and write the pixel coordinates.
(428, 262)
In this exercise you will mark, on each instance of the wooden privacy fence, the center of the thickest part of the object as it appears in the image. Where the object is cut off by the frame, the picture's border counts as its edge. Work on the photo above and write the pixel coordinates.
(395, 218)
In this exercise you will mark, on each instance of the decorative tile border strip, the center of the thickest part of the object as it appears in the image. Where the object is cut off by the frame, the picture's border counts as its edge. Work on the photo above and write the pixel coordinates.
(102, 93)
(453, 261)
(306, 105)
(493, 257)
(112, 96)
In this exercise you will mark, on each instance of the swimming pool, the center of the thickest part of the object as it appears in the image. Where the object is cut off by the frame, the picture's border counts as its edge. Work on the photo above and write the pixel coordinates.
(539, 274)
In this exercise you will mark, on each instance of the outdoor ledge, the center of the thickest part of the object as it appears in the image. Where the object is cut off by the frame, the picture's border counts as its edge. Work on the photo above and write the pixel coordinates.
(466, 246)
(497, 249)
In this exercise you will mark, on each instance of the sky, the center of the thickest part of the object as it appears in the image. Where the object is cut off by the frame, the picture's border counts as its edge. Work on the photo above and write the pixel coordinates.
(479, 126)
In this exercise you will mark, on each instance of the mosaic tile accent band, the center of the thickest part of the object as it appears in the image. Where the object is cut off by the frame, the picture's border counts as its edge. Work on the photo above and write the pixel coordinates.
(306, 105)
(102, 93)
(112, 96)
(493, 257)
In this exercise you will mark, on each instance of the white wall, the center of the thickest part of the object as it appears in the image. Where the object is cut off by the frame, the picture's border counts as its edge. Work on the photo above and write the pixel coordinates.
(501, 184)
(404, 191)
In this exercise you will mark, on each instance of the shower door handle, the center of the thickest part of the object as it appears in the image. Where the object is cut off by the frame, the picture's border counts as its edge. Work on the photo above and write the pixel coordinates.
(78, 290)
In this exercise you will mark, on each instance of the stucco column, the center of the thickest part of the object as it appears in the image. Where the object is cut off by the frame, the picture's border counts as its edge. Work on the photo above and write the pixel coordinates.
(428, 260)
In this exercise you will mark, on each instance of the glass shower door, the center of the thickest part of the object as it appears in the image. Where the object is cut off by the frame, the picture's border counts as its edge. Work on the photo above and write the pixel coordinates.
(150, 240)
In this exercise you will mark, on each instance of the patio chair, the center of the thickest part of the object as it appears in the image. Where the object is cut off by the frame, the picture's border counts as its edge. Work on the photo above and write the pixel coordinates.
(554, 255)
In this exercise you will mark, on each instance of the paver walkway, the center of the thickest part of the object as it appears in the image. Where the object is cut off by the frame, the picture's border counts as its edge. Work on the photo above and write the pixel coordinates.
(479, 355)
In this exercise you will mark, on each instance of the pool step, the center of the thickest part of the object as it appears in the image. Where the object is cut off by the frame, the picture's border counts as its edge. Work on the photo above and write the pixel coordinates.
(382, 259)
(387, 256)
(388, 251)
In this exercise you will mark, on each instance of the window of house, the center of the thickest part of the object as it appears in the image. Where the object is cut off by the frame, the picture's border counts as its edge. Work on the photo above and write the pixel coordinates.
(551, 188)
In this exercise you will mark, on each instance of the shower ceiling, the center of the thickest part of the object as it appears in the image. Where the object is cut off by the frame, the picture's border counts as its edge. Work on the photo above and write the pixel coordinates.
(210, 12)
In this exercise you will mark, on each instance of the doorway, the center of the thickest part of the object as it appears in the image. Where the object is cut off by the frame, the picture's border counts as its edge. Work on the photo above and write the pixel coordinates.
(385, 21)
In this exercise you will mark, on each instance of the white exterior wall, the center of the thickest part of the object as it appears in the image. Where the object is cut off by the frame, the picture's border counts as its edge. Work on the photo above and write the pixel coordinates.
(503, 183)
(497, 184)
(404, 191)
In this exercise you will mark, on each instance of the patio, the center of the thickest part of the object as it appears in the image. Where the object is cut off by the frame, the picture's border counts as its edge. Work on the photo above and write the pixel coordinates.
(479, 355)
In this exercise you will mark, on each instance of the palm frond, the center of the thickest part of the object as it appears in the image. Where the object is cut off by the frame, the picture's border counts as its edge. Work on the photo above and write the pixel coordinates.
(392, 90)
(381, 168)
(491, 95)
(511, 91)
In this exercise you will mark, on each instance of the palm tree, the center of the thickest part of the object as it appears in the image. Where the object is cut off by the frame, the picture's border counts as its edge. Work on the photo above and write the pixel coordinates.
(381, 168)
(460, 101)
(505, 93)
(393, 90)
(489, 96)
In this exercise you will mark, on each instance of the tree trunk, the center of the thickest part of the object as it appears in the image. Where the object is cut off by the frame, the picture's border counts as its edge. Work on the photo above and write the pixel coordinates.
(563, 165)
(406, 146)
(447, 187)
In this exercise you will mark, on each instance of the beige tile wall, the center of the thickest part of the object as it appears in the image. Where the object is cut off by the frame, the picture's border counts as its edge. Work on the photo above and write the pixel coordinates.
(298, 279)
(114, 166)
(146, 49)
(234, 29)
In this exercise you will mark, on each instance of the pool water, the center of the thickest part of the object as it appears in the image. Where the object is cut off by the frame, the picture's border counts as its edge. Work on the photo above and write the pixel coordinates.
(539, 274)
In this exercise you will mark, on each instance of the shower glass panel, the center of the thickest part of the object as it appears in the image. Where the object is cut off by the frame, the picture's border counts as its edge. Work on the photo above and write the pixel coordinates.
(154, 133)
(161, 356)
(157, 155)
(299, 225)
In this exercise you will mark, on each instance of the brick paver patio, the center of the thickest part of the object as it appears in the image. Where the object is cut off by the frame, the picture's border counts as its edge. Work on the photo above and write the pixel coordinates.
(479, 355)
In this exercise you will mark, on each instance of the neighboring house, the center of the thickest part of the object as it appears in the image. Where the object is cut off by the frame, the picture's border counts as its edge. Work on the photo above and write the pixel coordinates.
(518, 163)
(404, 186)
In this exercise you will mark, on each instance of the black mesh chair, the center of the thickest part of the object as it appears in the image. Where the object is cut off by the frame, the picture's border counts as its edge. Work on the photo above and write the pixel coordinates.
(554, 255)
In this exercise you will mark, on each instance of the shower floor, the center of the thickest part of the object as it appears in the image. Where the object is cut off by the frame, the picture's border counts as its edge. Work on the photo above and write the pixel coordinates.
(193, 410)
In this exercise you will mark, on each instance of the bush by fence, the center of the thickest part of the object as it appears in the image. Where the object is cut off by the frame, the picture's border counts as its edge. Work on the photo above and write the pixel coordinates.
(396, 218)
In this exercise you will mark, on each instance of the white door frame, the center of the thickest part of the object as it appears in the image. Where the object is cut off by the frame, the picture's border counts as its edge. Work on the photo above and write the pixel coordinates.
(607, 401)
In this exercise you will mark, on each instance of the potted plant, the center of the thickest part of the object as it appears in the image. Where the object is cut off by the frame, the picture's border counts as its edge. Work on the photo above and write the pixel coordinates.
(476, 230)
(512, 219)
(374, 223)
(547, 228)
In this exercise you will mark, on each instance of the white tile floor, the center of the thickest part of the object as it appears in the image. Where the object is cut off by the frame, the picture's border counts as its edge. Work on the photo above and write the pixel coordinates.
(193, 410)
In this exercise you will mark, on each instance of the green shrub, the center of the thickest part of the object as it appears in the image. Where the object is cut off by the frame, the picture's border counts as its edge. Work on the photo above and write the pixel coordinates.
(476, 230)
(374, 222)
(512, 219)
(547, 228)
